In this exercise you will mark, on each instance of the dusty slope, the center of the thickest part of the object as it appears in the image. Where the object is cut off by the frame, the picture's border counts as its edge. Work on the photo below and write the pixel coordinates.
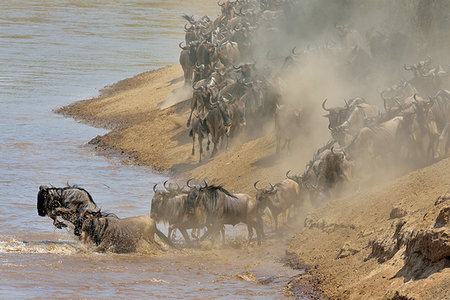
(382, 240)
(359, 224)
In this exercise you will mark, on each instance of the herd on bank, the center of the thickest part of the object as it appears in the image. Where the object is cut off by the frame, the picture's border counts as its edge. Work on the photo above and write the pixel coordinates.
(234, 89)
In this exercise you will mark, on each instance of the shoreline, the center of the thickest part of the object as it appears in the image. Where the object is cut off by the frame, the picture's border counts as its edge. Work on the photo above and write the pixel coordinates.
(340, 239)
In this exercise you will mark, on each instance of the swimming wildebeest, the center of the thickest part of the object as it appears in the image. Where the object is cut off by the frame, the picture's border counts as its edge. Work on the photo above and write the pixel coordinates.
(221, 207)
(67, 202)
(279, 198)
(110, 233)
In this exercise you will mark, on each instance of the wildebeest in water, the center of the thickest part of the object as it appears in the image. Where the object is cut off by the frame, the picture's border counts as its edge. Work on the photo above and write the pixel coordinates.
(110, 233)
(67, 202)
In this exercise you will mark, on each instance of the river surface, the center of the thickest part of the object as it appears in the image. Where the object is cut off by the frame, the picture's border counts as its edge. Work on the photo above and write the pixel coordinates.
(55, 52)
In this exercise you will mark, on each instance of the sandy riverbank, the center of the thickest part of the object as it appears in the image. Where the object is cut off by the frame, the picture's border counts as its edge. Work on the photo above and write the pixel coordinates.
(355, 247)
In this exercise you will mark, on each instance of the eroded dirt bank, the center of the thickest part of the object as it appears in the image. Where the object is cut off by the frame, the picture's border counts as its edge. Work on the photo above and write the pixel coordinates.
(386, 241)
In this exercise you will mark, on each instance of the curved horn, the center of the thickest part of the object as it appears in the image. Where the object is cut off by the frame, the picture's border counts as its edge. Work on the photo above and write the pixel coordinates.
(154, 188)
(179, 187)
(271, 187)
(398, 102)
(218, 3)
(287, 175)
(187, 183)
(206, 184)
(323, 105)
(332, 149)
(293, 51)
(237, 68)
(258, 189)
(184, 48)
(346, 103)
(415, 99)
(186, 28)
(164, 185)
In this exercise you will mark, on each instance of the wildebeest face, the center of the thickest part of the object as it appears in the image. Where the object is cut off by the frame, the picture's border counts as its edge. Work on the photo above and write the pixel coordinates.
(42, 200)
(192, 201)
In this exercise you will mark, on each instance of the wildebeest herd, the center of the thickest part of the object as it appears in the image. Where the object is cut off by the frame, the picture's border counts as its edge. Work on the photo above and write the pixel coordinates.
(232, 90)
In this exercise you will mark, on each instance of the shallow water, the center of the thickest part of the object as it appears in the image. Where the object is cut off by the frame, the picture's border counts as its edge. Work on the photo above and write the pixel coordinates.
(53, 53)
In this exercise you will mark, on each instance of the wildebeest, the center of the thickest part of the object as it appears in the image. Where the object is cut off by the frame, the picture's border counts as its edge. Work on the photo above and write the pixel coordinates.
(221, 207)
(279, 198)
(67, 202)
(287, 124)
(170, 206)
(110, 233)
(199, 129)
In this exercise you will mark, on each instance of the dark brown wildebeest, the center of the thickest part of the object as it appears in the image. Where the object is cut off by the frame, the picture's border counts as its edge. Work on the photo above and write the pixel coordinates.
(67, 202)
(221, 207)
(279, 198)
(218, 123)
(439, 123)
(117, 235)
(228, 53)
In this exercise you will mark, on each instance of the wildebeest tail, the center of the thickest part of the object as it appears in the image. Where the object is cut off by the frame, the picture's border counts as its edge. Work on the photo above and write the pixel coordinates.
(163, 237)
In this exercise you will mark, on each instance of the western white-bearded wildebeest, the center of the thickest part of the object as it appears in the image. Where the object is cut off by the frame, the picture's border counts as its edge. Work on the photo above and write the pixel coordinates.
(439, 123)
(170, 207)
(390, 139)
(356, 120)
(67, 202)
(228, 53)
(218, 123)
(279, 198)
(336, 115)
(221, 207)
(199, 129)
(287, 124)
(199, 96)
(187, 61)
(117, 235)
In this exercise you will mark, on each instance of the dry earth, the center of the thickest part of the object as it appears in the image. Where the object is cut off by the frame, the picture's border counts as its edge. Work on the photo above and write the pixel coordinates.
(388, 241)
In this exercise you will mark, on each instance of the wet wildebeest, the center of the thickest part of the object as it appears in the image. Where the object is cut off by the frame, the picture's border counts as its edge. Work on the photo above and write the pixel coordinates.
(199, 129)
(67, 202)
(220, 207)
(110, 233)
(279, 198)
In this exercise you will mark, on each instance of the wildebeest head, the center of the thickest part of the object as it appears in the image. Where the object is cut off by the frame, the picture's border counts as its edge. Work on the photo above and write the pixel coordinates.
(43, 199)
(193, 195)
(336, 115)
(265, 195)
(160, 196)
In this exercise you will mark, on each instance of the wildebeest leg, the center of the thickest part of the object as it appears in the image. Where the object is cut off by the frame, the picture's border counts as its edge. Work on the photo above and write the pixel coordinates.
(200, 143)
(260, 224)
(222, 231)
(186, 236)
(444, 141)
(193, 142)
(250, 232)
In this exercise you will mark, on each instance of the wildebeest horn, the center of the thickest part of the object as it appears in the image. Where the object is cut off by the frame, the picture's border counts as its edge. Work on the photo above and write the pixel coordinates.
(237, 68)
(154, 188)
(346, 103)
(407, 68)
(179, 187)
(218, 3)
(323, 105)
(258, 189)
(293, 51)
(187, 183)
(415, 99)
(186, 28)
(332, 149)
(164, 185)
(287, 175)
(184, 48)
(206, 184)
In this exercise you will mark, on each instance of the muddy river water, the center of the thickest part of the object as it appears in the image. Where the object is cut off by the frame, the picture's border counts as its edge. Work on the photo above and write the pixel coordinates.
(55, 52)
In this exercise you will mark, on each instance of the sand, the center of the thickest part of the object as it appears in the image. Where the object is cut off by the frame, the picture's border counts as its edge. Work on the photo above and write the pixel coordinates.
(347, 243)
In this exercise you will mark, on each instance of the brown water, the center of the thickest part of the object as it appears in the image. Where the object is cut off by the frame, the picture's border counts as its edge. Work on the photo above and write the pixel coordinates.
(55, 52)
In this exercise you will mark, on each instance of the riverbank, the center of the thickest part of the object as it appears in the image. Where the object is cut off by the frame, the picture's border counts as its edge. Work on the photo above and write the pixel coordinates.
(371, 244)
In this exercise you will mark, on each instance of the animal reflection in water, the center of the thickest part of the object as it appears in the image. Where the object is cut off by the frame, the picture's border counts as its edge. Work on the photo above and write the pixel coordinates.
(108, 232)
